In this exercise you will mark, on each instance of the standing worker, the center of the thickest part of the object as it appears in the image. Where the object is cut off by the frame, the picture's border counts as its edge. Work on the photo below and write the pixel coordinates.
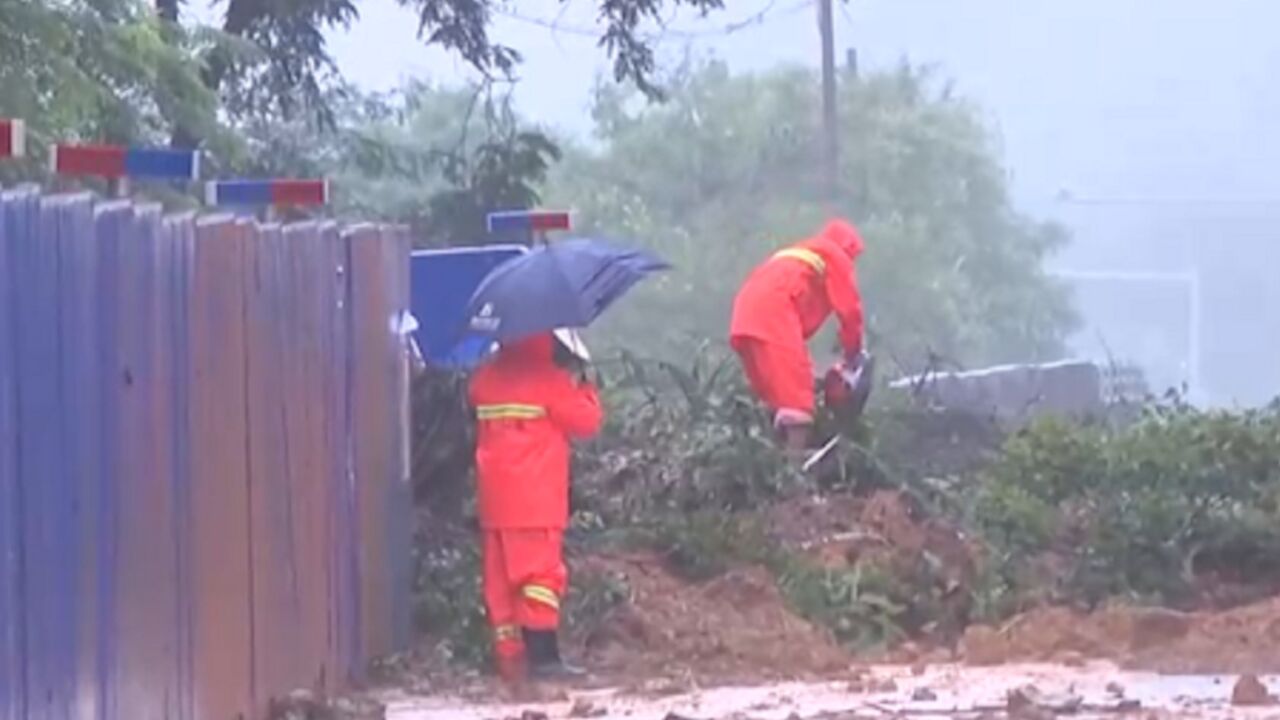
(528, 407)
(781, 305)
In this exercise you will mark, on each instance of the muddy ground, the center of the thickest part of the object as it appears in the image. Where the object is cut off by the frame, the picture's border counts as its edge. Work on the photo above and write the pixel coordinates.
(1017, 692)
(730, 647)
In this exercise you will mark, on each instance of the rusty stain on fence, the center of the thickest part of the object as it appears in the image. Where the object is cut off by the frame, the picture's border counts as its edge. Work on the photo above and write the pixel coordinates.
(203, 494)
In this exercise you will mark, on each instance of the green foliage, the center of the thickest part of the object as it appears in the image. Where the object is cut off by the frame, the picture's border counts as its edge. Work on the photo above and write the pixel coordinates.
(102, 70)
(1138, 512)
(433, 158)
(679, 440)
(728, 170)
(593, 594)
(464, 26)
(855, 604)
(447, 603)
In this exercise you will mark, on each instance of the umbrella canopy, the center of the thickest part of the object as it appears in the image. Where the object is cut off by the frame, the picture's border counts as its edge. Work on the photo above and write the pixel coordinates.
(566, 284)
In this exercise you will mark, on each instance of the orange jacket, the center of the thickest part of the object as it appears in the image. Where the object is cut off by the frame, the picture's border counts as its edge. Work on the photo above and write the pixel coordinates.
(788, 297)
(527, 409)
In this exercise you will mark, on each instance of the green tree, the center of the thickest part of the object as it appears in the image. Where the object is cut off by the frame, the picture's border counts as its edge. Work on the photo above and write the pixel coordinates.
(95, 70)
(271, 58)
(437, 159)
(728, 170)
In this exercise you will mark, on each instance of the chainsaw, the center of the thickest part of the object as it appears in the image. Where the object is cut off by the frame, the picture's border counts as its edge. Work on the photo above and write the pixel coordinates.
(845, 389)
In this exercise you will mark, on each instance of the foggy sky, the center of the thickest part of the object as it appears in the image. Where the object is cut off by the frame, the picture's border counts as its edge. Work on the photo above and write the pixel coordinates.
(1159, 115)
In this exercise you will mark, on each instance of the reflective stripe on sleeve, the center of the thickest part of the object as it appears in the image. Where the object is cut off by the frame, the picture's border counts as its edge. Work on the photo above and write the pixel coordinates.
(510, 411)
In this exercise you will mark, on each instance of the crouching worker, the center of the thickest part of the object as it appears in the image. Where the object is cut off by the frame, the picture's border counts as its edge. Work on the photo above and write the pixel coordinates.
(528, 407)
(782, 304)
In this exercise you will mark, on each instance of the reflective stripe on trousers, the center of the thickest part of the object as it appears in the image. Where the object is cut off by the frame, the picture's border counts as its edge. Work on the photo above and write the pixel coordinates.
(541, 594)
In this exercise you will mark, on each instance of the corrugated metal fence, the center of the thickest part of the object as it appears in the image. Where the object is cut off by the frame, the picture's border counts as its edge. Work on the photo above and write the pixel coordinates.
(203, 443)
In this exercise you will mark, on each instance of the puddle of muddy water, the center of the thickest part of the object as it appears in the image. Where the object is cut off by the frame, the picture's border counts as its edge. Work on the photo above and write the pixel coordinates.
(951, 692)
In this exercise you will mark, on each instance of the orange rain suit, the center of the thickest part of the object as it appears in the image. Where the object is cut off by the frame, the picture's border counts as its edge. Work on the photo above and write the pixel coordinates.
(783, 303)
(527, 410)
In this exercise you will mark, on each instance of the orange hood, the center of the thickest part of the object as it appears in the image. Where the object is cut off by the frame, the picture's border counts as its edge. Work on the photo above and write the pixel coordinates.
(845, 235)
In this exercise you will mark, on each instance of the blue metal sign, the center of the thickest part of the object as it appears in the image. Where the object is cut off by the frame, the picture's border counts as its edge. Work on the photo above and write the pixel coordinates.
(441, 282)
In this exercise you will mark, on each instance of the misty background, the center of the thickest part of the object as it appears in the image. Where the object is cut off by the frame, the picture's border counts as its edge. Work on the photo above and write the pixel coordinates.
(1146, 128)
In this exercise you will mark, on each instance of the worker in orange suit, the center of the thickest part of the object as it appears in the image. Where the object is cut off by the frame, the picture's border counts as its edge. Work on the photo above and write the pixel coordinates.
(781, 305)
(528, 407)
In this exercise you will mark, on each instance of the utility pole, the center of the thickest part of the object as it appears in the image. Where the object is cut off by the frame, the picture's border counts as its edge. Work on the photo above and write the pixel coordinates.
(830, 147)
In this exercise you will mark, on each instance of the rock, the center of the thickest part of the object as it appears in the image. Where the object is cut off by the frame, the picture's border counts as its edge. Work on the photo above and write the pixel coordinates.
(533, 715)
(1249, 690)
(1115, 688)
(1030, 703)
(924, 694)
(584, 709)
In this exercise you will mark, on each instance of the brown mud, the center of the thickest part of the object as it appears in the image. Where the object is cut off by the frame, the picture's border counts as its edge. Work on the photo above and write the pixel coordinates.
(733, 628)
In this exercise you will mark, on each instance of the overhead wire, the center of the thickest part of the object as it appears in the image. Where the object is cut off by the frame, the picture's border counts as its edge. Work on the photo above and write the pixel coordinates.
(756, 19)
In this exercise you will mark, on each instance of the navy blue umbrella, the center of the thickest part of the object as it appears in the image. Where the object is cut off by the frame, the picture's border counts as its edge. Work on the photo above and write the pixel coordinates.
(565, 284)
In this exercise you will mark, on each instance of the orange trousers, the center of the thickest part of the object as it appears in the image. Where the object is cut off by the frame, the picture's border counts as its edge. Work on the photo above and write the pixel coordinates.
(780, 375)
(524, 581)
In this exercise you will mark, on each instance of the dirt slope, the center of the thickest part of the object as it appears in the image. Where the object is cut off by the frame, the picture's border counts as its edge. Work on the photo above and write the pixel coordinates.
(1243, 640)
(733, 628)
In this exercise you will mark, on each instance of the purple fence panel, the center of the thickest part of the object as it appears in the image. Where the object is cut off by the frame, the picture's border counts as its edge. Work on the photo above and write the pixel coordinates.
(203, 494)
(300, 319)
(395, 248)
(145, 618)
(279, 659)
(112, 224)
(83, 426)
(378, 357)
(179, 236)
(335, 300)
(49, 566)
(221, 586)
(17, 211)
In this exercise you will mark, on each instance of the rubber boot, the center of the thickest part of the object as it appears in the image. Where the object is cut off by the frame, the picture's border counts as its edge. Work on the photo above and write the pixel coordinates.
(545, 663)
(512, 669)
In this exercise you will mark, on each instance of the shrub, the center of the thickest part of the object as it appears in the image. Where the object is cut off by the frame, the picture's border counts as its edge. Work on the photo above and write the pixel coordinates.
(1139, 511)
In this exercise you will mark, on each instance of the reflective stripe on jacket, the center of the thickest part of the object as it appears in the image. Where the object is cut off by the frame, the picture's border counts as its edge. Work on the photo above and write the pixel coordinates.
(527, 410)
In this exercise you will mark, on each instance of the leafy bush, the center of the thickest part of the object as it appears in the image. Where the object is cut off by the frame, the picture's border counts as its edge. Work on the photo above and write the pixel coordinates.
(1137, 512)
(856, 604)
(679, 440)
(448, 607)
